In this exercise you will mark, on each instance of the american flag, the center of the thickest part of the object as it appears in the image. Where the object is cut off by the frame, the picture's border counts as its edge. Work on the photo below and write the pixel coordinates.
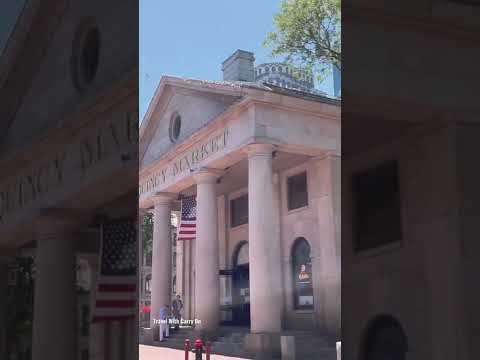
(187, 230)
(116, 285)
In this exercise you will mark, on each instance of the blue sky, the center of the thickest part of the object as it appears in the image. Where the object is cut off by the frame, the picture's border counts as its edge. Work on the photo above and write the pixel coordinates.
(8, 18)
(192, 38)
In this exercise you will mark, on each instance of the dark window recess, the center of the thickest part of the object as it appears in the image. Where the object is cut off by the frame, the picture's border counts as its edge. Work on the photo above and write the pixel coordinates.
(90, 55)
(297, 191)
(175, 127)
(85, 320)
(302, 274)
(385, 339)
(377, 217)
(239, 211)
(85, 355)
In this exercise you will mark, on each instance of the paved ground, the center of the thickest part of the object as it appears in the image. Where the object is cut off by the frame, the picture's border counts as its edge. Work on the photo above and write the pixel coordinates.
(160, 353)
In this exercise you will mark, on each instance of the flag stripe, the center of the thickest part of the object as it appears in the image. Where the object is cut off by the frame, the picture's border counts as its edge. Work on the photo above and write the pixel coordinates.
(112, 318)
(116, 290)
(117, 287)
(115, 303)
(117, 295)
(187, 229)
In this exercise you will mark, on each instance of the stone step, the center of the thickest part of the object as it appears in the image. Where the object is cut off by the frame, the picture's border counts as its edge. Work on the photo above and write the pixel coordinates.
(308, 346)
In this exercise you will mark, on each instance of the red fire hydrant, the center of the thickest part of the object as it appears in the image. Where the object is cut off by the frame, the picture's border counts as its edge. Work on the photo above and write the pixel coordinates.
(198, 349)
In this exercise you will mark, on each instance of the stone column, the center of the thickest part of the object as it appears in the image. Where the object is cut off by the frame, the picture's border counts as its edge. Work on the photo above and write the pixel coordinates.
(161, 255)
(327, 262)
(3, 303)
(188, 293)
(180, 266)
(133, 327)
(55, 311)
(140, 263)
(266, 297)
(141, 214)
(207, 289)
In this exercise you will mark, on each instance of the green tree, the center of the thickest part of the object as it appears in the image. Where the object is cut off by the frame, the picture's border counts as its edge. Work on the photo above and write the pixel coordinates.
(308, 34)
(147, 229)
(148, 237)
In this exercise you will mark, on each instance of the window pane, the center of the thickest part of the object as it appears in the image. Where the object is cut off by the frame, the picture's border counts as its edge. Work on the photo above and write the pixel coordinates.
(377, 207)
(239, 211)
(297, 191)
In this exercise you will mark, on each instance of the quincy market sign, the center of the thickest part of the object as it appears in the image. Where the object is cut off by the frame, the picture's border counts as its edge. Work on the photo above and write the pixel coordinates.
(73, 162)
(186, 161)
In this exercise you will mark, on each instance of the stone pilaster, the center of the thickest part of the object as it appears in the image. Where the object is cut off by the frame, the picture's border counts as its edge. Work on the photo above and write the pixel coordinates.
(327, 263)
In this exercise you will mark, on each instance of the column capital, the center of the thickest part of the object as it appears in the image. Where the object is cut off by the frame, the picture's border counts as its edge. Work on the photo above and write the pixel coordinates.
(163, 198)
(260, 149)
(56, 221)
(207, 175)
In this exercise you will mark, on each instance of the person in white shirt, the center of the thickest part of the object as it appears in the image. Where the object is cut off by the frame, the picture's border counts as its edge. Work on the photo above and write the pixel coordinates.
(164, 325)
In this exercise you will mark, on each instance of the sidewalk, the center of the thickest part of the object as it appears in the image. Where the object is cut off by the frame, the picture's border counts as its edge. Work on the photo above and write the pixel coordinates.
(160, 353)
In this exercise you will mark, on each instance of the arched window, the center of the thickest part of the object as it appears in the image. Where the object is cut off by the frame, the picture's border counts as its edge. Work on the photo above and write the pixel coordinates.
(384, 339)
(302, 274)
(274, 69)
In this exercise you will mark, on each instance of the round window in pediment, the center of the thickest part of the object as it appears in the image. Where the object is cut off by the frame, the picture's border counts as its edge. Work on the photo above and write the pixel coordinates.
(85, 54)
(175, 127)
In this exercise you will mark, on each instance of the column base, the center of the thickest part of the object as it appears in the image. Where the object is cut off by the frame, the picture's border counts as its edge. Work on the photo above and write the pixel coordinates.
(207, 335)
(147, 336)
(263, 345)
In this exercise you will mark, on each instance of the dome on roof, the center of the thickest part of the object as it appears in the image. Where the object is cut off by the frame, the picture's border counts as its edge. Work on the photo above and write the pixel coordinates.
(284, 75)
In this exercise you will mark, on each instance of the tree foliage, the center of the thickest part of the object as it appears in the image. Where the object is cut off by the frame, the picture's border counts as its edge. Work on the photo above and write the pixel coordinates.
(308, 34)
(148, 237)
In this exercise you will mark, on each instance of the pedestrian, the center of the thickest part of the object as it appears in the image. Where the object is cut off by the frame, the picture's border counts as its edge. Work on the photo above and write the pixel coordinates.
(177, 306)
(164, 325)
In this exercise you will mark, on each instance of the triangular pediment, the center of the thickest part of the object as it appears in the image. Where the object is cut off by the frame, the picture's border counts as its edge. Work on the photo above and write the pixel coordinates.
(193, 103)
(46, 64)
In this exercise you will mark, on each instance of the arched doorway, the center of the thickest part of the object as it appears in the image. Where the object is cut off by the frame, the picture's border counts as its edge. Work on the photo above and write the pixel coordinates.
(384, 339)
(241, 286)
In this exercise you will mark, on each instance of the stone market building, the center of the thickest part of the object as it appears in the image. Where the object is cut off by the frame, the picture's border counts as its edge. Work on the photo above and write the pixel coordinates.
(410, 200)
(264, 164)
(68, 159)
